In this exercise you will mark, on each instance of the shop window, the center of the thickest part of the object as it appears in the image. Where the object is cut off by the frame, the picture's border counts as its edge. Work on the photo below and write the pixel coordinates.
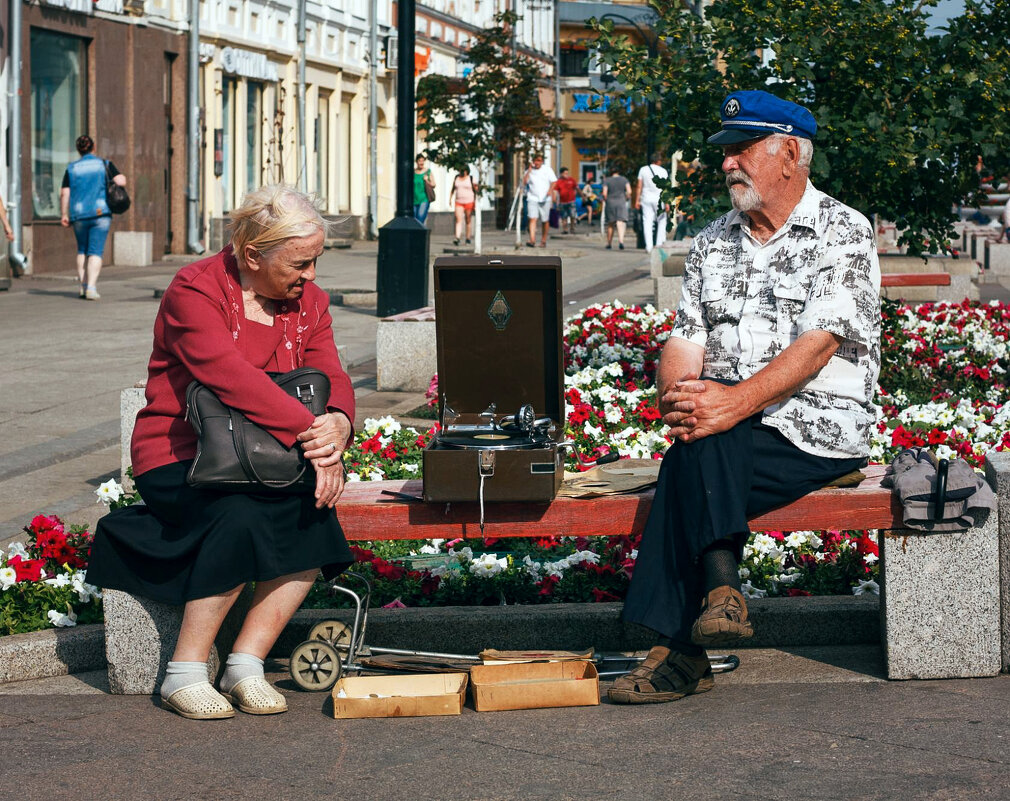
(254, 134)
(574, 63)
(322, 142)
(57, 99)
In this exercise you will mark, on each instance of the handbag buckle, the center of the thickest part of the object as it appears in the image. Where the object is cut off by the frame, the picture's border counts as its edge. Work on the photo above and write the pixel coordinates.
(309, 391)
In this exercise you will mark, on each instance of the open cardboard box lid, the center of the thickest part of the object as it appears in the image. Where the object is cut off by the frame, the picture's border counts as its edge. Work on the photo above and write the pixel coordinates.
(498, 332)
(408, 696)
(534, 685)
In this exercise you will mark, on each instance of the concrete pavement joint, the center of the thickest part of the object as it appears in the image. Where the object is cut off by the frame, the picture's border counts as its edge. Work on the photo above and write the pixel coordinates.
(906, 746)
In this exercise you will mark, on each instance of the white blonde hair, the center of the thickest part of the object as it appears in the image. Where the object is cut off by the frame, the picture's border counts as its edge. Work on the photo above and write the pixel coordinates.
(271, 215)
(774, 142)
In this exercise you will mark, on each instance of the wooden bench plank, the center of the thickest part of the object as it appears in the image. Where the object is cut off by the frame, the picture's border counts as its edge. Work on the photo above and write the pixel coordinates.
(367, 514)
(915, 279)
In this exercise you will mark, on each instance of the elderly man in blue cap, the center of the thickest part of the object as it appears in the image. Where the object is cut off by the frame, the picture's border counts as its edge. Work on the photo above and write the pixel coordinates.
(766, 382)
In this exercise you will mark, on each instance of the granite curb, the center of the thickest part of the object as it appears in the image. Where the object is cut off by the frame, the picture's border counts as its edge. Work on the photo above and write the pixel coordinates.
(778, 622)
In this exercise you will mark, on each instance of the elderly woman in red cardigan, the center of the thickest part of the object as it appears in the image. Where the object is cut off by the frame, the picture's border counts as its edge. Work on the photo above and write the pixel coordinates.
(226, 321)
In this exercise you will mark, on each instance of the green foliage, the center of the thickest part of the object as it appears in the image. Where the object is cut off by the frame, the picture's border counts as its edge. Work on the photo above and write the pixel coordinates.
(494, 109)
(903, 117)
(25, 607)
(622, 142)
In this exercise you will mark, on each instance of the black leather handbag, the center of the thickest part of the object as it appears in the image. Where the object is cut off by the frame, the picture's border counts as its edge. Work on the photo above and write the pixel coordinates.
(116, 196)
(233, 453)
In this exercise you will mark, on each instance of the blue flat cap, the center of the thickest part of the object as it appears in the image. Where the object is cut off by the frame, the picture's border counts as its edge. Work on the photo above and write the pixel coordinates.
(753, 114)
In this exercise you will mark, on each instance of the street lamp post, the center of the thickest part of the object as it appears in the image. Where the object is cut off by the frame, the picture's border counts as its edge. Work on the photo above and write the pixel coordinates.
(650, 107)
(402, 270)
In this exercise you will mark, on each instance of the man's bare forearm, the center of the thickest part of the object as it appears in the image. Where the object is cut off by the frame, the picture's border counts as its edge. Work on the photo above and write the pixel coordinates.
(680, 361)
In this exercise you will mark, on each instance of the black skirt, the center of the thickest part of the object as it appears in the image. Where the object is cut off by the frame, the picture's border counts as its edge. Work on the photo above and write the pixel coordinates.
(184, 543)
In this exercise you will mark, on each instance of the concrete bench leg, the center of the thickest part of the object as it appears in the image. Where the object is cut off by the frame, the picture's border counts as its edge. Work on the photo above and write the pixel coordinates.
(140, 636)
(940, 604)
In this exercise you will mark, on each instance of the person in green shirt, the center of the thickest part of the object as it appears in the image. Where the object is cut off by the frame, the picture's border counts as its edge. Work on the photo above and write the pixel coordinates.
(424, 188)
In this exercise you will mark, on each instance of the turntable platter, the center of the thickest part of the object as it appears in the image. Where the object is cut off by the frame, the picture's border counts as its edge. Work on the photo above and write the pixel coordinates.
(490, 440)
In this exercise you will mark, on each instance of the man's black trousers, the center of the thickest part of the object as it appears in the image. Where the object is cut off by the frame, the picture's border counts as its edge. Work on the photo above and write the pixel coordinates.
(707, 491)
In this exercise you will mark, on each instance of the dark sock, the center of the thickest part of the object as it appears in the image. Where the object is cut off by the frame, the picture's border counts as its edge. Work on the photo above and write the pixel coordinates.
(681, 644)
(720, 565)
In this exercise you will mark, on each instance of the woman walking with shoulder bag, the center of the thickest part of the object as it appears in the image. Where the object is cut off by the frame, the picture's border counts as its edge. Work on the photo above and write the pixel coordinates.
(83, 204)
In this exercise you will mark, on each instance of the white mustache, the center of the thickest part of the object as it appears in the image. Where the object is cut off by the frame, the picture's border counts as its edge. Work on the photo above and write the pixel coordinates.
(734, 177)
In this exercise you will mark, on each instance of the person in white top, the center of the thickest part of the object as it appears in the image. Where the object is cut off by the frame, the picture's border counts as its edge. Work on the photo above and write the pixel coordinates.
(540, 182)
(647, 199)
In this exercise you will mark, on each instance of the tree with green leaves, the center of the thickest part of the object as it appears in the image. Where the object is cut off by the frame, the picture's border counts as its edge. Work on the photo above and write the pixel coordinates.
(904, 117)
(490, 112)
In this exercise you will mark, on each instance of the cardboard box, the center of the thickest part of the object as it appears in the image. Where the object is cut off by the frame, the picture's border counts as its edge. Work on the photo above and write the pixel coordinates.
(399, 696)
(534, 685)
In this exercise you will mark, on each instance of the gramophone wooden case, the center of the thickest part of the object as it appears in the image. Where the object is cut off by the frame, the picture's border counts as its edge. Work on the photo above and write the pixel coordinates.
(498, 332)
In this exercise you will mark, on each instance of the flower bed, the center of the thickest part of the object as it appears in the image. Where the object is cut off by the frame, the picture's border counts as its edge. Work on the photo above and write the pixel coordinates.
(943, 384)
(42, 581)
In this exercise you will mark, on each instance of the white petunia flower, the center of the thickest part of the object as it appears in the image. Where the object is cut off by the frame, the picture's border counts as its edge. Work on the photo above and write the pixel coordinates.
(751, 592)
(488, 564)
(583, 556)
(464, 555)
(868, 587)
(870, 558)
(60, 619)
(17, 549)
(109, 491)
(8, 578)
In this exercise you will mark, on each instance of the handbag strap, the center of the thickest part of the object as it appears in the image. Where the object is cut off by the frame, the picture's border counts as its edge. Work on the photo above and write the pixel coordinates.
(238, 436)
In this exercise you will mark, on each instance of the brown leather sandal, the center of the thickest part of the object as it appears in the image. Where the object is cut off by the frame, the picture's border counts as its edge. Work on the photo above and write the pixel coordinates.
(665, 675)
(723, 618)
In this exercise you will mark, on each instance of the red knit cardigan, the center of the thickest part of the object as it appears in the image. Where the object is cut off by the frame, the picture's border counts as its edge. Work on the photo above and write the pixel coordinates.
(201, 333)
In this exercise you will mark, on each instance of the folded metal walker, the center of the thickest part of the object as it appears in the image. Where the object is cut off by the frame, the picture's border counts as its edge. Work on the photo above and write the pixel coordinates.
(333, 648)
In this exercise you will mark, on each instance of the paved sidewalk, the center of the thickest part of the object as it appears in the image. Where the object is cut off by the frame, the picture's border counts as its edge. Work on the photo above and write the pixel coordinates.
(789, 740)
(67, 360)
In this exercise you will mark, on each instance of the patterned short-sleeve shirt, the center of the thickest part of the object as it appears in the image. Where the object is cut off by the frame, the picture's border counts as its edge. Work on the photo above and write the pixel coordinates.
(745, 302)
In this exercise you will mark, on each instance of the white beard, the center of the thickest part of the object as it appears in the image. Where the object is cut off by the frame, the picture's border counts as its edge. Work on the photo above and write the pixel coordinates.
(742, 193)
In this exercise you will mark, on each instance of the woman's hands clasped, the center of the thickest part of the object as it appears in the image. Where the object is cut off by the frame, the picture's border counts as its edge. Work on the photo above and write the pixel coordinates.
(323, 443)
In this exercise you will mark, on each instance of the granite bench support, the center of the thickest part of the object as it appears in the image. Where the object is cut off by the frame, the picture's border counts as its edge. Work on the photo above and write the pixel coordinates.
(405, 357)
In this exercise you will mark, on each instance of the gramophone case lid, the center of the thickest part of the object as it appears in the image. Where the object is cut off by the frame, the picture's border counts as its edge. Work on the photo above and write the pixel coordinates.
(498, 331)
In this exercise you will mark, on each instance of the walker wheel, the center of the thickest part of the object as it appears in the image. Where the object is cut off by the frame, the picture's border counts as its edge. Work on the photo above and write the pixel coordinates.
(315, 665)
(332, 631)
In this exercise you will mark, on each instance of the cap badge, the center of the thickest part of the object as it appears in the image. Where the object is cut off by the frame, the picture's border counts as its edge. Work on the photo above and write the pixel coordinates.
(732, 108)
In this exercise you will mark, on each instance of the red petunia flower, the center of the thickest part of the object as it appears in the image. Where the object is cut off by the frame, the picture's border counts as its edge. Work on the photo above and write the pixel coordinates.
(27, 569)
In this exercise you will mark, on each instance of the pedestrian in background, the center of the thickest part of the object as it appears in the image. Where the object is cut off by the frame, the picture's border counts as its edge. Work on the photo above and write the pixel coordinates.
(83, 205)
(647, 199)
(616, 195)
(540, 183)
(589, 196)
(424, 188)
(566, 191)
(465, 192)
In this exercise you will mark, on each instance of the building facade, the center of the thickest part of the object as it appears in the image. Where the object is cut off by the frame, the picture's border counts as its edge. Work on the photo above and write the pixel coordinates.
(248, 83)
(585, 94)
(444, 30)
(98, 68)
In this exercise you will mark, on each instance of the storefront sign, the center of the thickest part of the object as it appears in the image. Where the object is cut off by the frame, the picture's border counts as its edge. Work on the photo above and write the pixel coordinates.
(588, 103)
(87, 6)
(248, 64)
